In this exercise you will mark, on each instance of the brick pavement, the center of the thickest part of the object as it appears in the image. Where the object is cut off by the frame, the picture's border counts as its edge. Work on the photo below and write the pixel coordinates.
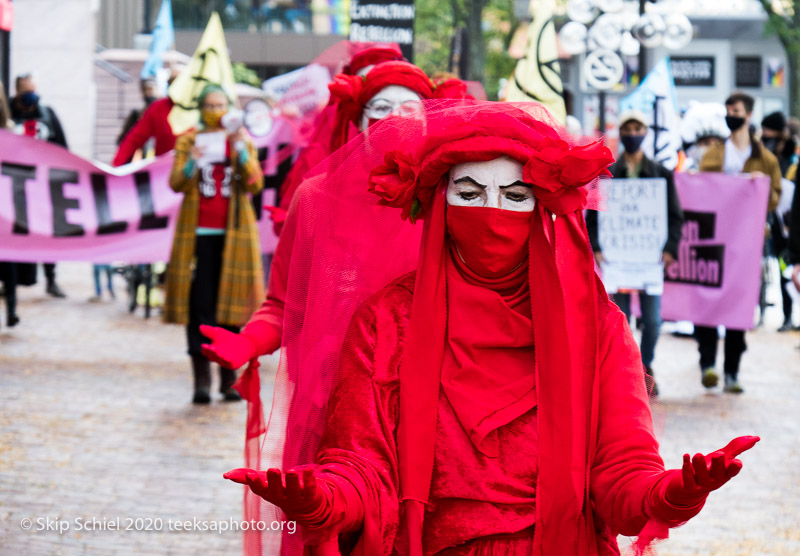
(95, 421)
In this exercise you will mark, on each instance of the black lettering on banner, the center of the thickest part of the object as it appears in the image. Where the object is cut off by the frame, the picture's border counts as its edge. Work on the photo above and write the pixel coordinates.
(19, 174)
(384, 21)
(61, 228)
(699, 225)
(105, 225)
(702, 265)
(149, 220)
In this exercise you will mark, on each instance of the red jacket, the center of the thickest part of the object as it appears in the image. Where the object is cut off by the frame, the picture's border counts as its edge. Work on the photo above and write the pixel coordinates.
(153, 123)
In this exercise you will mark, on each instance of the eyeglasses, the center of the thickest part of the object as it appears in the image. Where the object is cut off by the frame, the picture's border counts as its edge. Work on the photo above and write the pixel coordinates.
(380, 108)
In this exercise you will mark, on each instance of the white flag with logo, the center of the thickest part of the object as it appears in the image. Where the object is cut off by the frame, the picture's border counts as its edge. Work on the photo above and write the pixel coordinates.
(656, 98)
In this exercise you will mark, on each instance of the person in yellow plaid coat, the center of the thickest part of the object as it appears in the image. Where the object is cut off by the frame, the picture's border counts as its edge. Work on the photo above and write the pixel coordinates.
(215, 275)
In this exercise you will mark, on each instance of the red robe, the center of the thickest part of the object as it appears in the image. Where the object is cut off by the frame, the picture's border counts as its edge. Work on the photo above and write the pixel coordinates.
(479, 504)
(153, 123)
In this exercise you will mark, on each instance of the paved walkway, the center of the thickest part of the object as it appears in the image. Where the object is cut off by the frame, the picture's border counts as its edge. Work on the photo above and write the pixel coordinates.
(95, 422)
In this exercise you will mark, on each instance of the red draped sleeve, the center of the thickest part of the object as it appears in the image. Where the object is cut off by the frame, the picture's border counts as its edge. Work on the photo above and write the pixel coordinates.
(626, 461)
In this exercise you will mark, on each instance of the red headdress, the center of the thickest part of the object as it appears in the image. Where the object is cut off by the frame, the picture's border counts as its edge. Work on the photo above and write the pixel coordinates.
(353, 92)
(372, 56)
(564, 299)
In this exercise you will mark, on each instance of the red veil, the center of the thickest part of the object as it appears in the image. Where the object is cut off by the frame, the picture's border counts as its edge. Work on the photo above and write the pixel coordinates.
(350, 243)
(349, 93)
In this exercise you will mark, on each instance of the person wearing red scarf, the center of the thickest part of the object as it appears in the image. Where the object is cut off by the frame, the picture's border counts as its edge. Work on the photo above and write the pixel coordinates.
(492, 401)
(360, 101)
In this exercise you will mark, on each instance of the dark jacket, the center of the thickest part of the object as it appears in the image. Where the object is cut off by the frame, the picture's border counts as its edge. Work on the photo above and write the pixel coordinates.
(794, 225)
(649, 169)
(51, 130)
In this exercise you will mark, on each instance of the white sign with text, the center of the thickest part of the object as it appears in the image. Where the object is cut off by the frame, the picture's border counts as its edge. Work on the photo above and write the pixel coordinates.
(632, 233)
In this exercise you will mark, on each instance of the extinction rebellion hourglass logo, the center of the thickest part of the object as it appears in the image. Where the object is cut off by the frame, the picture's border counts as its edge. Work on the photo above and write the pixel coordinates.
(698, 263)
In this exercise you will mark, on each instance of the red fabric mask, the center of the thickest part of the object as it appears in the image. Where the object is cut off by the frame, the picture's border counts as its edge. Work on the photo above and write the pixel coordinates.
(492, 242)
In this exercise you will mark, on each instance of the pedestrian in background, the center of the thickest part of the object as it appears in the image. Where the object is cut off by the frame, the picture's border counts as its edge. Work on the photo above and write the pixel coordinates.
(634, 164)
(741, 153)
(152, 124)
(776, 137)
(8, 270)
(34, 119)
(98, 270)
(215, 276)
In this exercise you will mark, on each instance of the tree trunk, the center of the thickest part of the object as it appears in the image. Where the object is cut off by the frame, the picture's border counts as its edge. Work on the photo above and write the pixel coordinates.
(793, 58)
(477, 62)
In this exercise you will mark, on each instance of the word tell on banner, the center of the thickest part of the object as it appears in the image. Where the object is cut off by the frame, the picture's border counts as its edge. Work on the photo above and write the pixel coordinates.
(58, 179)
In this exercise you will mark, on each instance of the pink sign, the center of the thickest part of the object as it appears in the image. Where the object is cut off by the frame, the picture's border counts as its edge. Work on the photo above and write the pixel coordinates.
(717, 275)
(56, 206)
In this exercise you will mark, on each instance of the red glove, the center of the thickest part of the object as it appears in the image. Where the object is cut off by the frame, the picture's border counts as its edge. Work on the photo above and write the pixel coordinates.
(278, 216)
(298, 493)
(682, 494)
(228, 349)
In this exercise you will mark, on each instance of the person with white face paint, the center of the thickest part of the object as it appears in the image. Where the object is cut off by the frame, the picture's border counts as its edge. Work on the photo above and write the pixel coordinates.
(361, 101)
(491, 400)
(320, 144)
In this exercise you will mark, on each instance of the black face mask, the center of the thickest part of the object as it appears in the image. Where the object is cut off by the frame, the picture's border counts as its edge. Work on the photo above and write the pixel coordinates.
(632, 143)
(148, 100)
(771, 144)
(734, 122)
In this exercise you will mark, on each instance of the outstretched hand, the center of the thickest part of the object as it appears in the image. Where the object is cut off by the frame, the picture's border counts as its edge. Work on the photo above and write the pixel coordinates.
(296, 492)
(226, 348)
(703, 474)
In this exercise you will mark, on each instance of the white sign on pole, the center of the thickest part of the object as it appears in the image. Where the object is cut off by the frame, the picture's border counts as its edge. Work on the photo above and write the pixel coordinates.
(632, 233)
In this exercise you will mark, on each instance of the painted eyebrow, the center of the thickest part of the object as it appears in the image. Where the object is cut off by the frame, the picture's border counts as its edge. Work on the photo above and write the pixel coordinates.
(468, 179)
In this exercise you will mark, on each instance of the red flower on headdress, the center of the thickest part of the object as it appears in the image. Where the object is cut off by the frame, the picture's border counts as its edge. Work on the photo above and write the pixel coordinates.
(394, 181)
(346, 88)
(559, 173)
(450, 88)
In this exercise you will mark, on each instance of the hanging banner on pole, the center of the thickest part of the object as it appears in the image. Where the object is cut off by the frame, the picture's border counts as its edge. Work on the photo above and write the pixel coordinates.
(656, 98)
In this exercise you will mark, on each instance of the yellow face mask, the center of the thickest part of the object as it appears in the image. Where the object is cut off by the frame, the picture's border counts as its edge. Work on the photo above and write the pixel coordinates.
(212, 118)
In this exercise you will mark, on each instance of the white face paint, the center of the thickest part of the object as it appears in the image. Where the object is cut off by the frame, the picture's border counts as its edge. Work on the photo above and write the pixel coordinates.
(386, 101)
(495, 184)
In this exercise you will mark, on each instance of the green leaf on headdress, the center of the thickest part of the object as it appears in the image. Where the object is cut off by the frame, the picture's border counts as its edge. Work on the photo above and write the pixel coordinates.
(416, 208)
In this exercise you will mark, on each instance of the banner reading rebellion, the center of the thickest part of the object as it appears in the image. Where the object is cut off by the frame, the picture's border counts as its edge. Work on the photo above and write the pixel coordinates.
(384, 21)
(57, 206)
(632, 232)
(717, 275)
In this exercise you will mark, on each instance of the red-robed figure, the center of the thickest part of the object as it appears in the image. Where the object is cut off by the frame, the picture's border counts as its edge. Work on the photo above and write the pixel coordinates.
(492, 401)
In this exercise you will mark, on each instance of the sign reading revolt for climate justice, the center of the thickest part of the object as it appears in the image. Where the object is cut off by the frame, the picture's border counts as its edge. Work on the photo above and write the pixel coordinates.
(384, 21)
(717, 275)
(632, 232)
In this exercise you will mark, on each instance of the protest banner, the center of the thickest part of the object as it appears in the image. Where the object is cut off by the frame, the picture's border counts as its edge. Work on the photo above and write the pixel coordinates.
(716, 278)
(384, 21)
(57, 206)
(632, 233)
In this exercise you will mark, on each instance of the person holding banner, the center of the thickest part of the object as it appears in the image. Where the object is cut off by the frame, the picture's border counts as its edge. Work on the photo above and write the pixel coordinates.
(741, 153)
(214, 275)
(634, 164)
(491, 400)
(34, 119)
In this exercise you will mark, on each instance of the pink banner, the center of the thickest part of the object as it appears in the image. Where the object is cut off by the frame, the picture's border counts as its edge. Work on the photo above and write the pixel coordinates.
(717, 275)
(56, 206)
